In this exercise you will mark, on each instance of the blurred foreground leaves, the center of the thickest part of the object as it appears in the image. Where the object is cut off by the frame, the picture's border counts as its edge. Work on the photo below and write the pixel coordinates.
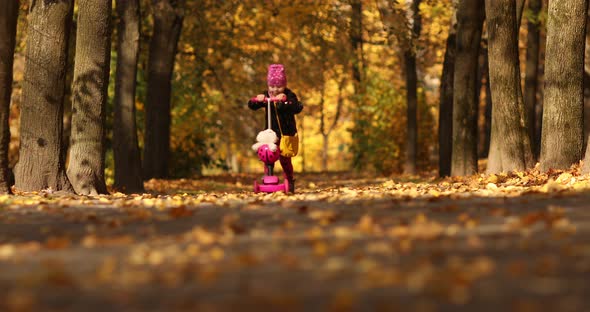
(509, 239)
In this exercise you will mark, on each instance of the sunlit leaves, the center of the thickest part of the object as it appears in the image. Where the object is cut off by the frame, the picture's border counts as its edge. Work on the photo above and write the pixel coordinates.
(435, 239)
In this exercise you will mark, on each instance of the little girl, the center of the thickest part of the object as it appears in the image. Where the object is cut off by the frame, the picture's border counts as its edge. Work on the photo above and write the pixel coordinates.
(285, 111)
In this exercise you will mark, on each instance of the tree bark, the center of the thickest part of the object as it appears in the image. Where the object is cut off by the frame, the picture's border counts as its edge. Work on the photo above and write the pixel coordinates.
(519, 11)
(562, 136)
(445, 112)
(168, 16)
(411, 91)
(487, 128)
(41, 164)
(510, 145)
(586, 82)
(89, 90)
(532, 73)
(487, 111)
(470, 16)
(125, 144)
(8, 20)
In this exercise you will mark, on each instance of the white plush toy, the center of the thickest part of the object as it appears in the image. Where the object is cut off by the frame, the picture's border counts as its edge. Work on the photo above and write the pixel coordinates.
(268, 137)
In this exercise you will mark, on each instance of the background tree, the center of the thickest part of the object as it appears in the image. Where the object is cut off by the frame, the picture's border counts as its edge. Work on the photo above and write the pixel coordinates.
(484, 82)
(532, 71)
(325, 129)
(356, 65)
(213, 74)
(411, 89)
(168, 16)
(125, 144)
(470, 15)
(41, 164)
(445, 112)
(89, 88)
(519, 12)
(8, 21)
(562, 136)
(510, 145)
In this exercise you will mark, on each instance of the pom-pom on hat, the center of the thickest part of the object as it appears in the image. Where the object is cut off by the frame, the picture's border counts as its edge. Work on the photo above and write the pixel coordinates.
(276, 75)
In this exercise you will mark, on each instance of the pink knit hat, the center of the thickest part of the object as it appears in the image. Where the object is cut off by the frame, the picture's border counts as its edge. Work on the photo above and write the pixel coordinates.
(276, 75)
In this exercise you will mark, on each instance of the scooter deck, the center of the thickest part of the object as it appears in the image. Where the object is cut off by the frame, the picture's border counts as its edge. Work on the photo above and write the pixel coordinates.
(271, 188)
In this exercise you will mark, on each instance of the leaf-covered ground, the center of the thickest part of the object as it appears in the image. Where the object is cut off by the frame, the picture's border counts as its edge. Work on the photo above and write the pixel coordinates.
(512, 242)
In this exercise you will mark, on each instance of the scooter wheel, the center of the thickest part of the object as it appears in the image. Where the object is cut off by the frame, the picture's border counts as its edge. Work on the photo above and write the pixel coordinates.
(256, 187)
(286, 184)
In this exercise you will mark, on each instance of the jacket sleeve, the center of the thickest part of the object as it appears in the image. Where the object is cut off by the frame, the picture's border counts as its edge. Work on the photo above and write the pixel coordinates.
(255, 105)
(293, 105)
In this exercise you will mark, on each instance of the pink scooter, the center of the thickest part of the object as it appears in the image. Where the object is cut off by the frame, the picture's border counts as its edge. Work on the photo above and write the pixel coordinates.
(270, 182)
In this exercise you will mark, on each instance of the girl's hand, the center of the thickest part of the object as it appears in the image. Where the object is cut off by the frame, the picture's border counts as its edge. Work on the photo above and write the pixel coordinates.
(260, 98)
(282, 96)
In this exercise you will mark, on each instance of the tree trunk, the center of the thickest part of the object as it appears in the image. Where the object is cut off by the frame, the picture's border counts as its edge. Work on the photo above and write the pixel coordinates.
(89, 89)
(532, 73)
(445, 112)
(484, 136)
(562, 136)
(125, 145)
(356, 64)
(41, 164)
(510, 145)
(470, 16)
(411, 91)
(325, 153)
(8, 19)
(356, 41)
(325, 130)
(412, 110)
(487, 115)
(168, 16)
(586, 82)
(67, 106)
(519, 11)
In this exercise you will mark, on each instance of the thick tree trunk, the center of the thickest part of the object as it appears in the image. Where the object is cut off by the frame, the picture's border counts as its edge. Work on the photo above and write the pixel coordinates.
(470, 16)
(91, 79)
(41, 164)
(586, 81)
(562, 136)
(168, 16)
(445, 112)
(125, 146)
(411, 91)
(67, 106)
(8, 19)
(510, 145)
(532, 73)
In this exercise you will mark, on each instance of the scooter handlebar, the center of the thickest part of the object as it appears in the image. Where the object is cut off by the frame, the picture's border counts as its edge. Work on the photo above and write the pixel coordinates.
(272, 99)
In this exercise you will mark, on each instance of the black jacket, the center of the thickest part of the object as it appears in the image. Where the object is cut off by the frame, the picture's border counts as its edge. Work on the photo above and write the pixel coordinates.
(285, 110)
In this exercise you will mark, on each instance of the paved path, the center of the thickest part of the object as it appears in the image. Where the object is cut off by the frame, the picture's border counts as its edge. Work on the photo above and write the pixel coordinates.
(339, 245)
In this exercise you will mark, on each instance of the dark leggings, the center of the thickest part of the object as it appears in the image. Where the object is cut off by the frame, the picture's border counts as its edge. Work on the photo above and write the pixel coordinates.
(286, 164)
(287, 168)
